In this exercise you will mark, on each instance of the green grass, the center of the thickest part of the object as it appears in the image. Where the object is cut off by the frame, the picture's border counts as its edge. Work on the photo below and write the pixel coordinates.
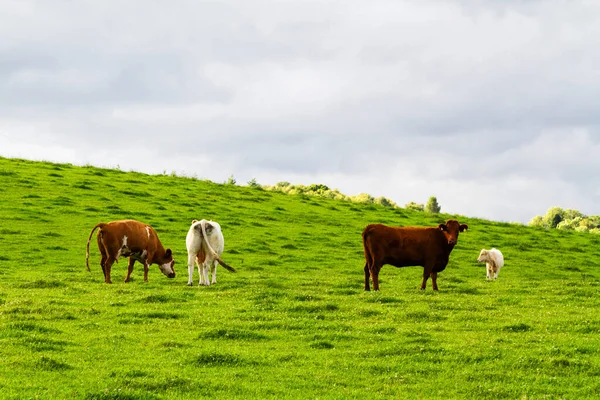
(294, 322)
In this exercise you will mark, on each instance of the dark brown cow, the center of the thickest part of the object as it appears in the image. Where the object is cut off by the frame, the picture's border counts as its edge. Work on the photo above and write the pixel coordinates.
(409, 246)
(132, 239)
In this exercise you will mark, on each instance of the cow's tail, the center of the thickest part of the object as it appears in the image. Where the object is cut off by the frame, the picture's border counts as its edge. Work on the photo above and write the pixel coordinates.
(87, 248)
(219, 260)
(366, 247)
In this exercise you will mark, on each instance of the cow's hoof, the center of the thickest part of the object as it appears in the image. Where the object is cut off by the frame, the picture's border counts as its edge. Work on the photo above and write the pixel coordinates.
(190, 284)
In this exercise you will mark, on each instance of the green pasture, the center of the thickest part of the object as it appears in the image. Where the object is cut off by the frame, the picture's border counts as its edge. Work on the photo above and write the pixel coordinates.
(294, 322)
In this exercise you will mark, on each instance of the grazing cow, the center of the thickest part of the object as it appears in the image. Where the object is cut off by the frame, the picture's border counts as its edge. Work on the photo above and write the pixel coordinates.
(205, 244)
(409, 246)
(494, 260)
(132, 239)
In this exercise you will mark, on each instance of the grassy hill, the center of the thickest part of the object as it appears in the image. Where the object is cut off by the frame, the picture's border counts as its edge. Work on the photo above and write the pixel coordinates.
(294, 322)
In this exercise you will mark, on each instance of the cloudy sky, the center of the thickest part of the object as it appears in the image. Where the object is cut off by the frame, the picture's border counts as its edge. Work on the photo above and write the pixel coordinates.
(492, 106)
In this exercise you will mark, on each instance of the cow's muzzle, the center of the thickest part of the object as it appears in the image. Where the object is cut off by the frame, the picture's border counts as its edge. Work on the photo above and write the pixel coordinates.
(171, 275)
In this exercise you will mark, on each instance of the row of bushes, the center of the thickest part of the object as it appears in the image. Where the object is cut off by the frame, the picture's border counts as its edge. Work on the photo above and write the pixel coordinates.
(567, 219)
(321, 190)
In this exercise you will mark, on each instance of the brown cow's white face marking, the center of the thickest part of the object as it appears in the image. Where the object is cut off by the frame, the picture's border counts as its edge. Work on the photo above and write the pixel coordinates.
(168, 269)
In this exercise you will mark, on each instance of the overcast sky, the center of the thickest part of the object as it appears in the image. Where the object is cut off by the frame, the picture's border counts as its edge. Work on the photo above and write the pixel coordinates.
(491, 106)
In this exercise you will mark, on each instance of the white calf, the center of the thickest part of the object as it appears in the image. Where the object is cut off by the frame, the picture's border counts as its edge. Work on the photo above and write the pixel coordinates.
(494, 260)
(205, 244)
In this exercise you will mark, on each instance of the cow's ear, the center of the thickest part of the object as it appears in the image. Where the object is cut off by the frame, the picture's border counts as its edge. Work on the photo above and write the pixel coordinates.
(168, 253)
(464, 227)
(443, 227)
(194, 221)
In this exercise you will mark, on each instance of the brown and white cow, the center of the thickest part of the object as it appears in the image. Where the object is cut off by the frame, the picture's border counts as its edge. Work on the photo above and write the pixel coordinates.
(409, 246)
(133, 239)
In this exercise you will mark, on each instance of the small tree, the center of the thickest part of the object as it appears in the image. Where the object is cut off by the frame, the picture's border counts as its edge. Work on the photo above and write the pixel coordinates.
(282, 184)
(252, 183)
(432, 206)
(231, 180)
(385, 202)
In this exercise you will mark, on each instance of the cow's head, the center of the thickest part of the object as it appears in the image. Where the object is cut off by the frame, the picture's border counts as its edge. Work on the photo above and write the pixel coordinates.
(451, 230)
(167, 264)
(483, 256)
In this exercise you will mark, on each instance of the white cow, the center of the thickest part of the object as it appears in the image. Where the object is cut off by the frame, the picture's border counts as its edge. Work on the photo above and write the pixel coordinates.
(494, 260)
(205, 244)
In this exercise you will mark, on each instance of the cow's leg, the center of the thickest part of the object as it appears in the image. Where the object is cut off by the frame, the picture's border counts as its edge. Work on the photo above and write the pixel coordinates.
(129, 269)
(146, 268)
(434, 280)
(103, 264)
(191, 261)
(202, 281)
(103, 254)
(205, 273)
(426, 273)
(107, 265)
(200, 273)
(488, 268)
(367, 277)
(375, 276)
(213, 271)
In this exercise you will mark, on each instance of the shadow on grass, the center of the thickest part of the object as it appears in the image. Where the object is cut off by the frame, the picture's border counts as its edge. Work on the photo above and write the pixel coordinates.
(48, 364)
(213, 359)
(42, 284)
(233, 334)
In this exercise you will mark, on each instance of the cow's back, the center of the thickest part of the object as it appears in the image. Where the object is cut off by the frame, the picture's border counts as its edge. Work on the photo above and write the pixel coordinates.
(135, 235)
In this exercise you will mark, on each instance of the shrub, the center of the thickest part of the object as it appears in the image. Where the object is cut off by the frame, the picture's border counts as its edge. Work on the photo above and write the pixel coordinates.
(415, 206)
(231, 180)
(432, 206)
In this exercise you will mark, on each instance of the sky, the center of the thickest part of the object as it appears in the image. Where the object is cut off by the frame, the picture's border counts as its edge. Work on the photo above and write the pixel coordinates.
(491, 106)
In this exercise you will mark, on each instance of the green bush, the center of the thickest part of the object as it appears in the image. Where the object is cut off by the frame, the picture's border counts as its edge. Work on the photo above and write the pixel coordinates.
(432, 206)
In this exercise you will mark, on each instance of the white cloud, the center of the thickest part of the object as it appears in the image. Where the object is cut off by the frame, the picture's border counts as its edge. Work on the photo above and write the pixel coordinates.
(490, 106)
